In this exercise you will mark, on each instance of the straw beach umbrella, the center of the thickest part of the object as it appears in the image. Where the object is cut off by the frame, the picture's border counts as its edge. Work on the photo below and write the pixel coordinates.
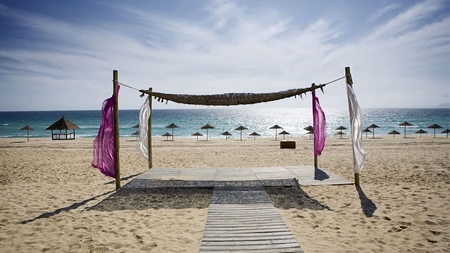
(367, 130)
(340, 133)
(136, 126)
(310, 130)
(420, 132)
(172, 126)
(405, 124)
(226, 133)
(28, 128)
(284, 133)
(254, 134)
(241, 128)
(393, 133)
(373, 126)
(276, 127)
(136, 133)
(197, 134)
(207, 127)
(434, 126)
(446, 131)
(167, 135)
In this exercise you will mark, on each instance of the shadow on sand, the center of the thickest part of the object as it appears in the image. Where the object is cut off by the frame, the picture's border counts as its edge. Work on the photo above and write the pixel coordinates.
(67, 208)
(176, 194)
(367, 204)
(320, 174)
(123, 178)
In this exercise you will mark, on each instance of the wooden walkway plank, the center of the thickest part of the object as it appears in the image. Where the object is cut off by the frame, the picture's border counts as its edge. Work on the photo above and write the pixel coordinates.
(242, 219)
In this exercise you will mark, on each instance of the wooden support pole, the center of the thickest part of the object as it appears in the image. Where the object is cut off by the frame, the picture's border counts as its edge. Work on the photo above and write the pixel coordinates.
(313, 106)
(149, 130)
(116, 127)
(349, 81)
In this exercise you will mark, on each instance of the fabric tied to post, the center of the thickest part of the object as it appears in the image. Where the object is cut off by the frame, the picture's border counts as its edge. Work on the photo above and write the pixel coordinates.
(320, 126)
(356, 124)
(104, 159)
(144, 115)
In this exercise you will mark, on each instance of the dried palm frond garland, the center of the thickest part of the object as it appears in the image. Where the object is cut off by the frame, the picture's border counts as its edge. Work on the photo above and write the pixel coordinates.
(228, 99)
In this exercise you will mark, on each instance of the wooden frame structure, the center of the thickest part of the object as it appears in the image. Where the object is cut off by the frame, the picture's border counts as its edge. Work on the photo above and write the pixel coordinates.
(210, 100)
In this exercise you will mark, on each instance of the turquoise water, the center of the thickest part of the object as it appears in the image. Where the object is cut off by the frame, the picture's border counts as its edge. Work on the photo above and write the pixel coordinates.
(293, 120)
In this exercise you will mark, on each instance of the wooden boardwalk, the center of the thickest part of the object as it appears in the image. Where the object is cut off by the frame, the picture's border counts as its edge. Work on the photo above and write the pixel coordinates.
(241, 216)
(242, 219)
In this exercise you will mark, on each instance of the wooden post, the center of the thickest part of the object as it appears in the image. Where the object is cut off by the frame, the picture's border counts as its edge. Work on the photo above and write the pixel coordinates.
(315, 156)
(116, 127)
(349, 81)
(149, 130)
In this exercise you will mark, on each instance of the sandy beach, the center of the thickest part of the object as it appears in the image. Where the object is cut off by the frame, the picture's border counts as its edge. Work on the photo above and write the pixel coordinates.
(49, 193)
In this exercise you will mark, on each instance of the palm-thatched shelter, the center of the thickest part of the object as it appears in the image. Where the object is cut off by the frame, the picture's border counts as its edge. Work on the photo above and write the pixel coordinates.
(63, 124)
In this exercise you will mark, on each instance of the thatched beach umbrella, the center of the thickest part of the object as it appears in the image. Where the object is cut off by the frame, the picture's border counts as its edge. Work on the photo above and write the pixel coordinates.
(226, 133)
(367, 130)
(434, 126)
(284, 134)
(393, 133)
(420, 132)
(136, 126)
(405, 124)
(167, 135)
(240, 128)
(28, 128)
(254, 134)
(207, 127)
(136, 133)
(446, 131)
(373, 126)
(276, 127)
(172, 126)
(340, 133)
(62, 124)
(197, 134)
(310, 130)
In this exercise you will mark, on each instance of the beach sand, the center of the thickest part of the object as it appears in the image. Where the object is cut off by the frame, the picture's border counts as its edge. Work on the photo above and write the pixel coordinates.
(49, 195)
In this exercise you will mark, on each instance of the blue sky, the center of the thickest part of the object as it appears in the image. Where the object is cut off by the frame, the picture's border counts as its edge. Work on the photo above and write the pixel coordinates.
(59, 55)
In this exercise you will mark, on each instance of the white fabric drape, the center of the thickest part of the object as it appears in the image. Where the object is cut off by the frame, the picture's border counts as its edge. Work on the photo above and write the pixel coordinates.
(144, 115)
(356, 124)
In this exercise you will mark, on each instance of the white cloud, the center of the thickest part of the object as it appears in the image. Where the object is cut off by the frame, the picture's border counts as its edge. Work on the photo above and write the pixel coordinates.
(381, 12)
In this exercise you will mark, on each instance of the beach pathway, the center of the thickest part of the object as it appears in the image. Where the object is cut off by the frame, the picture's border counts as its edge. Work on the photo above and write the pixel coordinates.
(242, 218)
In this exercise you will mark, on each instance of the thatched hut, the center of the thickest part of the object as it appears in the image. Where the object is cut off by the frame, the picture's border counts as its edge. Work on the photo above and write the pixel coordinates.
(63, 124)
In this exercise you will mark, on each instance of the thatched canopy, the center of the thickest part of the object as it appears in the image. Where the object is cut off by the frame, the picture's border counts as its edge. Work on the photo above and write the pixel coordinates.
(434, 126)
(63, 124)
(420, 132)
(254, 134)
(197, 134)
(228, 99)
(393, 132)
(284, 134)
(28, 128)
(276, 127)
(226, 133)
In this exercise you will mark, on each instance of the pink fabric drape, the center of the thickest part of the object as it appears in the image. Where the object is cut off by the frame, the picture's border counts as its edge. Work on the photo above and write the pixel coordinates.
(320, 126)
(104, 142)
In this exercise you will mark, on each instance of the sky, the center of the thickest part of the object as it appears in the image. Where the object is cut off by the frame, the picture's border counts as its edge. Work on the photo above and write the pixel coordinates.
(60, 55)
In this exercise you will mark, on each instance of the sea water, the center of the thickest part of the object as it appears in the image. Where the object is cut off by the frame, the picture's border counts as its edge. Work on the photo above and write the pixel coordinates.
(292, 120)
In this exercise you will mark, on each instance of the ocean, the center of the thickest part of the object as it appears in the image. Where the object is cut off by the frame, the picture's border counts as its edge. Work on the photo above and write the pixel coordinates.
(293, 120)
